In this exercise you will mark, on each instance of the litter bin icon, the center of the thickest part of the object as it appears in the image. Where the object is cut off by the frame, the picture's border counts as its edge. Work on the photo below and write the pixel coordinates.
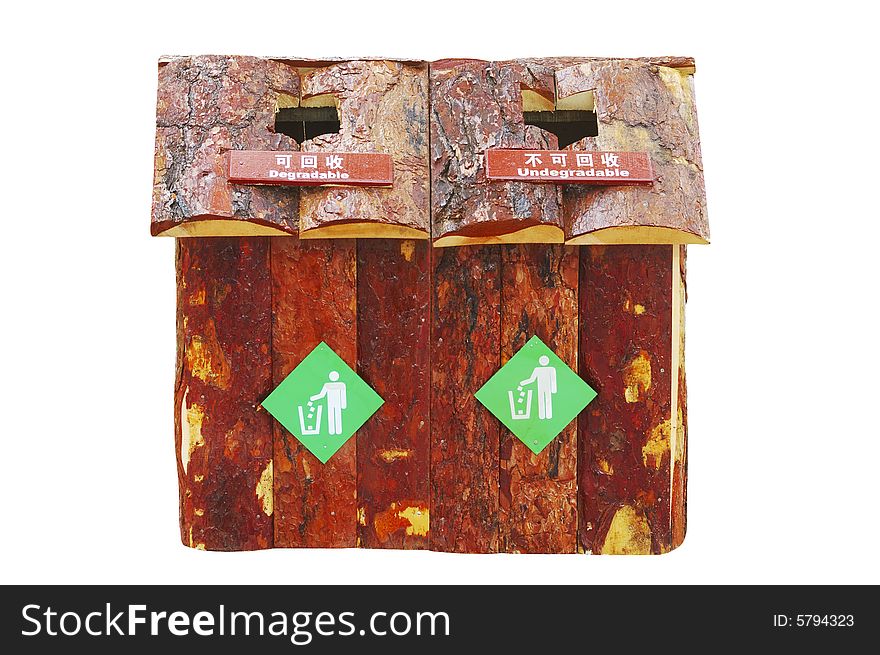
(521, 407)
(305, 422)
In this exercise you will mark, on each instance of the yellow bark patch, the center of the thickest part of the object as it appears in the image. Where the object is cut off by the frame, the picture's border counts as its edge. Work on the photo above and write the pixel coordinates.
(605, 467)
(407, 248)
(637, 377)
(412, 518)
(636, 308)
(633, 137)
(418, 520)
(190, 430)
(678, 84)
(628, 534)
(657, 444)
(680, 442)
(264, 489)
(199, 512)
(394, 454)
(362, 516)
(198, 298)
(205, 358)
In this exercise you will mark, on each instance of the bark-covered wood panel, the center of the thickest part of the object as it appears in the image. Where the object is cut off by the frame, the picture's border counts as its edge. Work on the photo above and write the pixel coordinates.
(466, 344)
(383, 107)
(314, 299)
(640, 107)
(478, 105)
(207, 106)
(538, 493)
(625, 434)
(394, 357)
(223, 438)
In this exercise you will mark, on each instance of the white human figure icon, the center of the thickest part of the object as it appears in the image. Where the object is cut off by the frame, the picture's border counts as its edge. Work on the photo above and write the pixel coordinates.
(545, 376)
(336, 402)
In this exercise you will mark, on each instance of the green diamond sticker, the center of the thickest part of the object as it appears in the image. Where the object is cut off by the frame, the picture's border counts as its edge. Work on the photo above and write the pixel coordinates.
(322, 402)
(535, 395)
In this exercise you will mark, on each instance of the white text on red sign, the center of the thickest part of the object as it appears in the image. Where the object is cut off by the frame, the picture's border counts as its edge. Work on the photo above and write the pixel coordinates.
(310, 168)
(569, 166)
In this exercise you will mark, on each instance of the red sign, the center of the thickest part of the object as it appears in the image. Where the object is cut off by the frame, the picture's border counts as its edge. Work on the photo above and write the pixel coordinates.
(310, 168)
(569, 166)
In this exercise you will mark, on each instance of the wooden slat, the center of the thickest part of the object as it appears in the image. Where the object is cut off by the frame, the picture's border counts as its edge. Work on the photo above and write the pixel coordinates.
(383, 108)
(647, 108)
(678, 447)
(465, 341)
(223, 438)
(207, 106)
(475, 106)
(314, 298)
(626, 336)
(538, 493)
(394, 301)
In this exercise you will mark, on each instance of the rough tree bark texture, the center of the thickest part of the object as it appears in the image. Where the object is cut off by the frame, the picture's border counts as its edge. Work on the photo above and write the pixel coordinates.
(626, 434)
(538, 493)
(642, 107)
(207, 106)
(223, 438)
(465, 343)
(475, 106)
(383, 107)
(684, 64)
(394, 357)
(314, 299)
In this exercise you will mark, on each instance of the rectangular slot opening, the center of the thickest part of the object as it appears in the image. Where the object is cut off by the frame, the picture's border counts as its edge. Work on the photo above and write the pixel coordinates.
(569, 125)
(304, 123)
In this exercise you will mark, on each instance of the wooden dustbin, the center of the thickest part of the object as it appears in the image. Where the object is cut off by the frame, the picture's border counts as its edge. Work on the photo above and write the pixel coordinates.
(425, 221)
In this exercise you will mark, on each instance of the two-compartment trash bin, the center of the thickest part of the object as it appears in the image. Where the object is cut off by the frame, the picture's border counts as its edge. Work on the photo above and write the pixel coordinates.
(423, 223)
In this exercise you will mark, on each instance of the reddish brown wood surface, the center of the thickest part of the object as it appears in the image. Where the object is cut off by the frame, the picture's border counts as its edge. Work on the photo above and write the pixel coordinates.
(465, 343)
(475, 106)
(394, 357)
(643, 107)
(207, 106)
(624, 473)
(383, 107)
(314, 299)
(223, 438)
(538, 493)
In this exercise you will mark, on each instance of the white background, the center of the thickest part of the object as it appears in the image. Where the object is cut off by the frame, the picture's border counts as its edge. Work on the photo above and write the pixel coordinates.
(782, 350)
